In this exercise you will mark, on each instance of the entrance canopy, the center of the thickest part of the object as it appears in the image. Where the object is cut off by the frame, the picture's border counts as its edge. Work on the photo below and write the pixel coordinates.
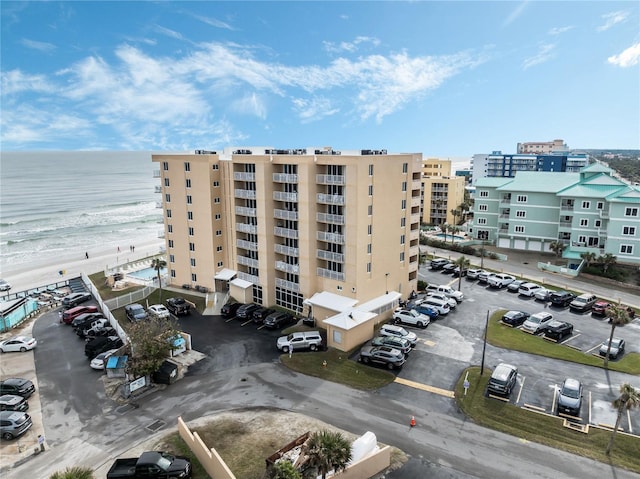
(225, 274)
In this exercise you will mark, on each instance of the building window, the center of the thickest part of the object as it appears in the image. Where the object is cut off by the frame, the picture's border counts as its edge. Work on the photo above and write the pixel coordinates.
(172, 258)
(190, 230)
(402, 257)
(194, 277)
(626, 249)
(167, 198)
(165, 165)
(187, 183)
(192, 246)
(369, 229)
(403, 222)
(337, 336)
(405, 167)
(189, 200)
(402, 239)
(403, 205)
(170, 228)
(193, 261)
(597, 223)
(218, 248)
(369, 248)
(166, 182)
(173, 273)
(483, 235)
(370, 210)
(521, 198)
(216, 184)
(631, 211)
(370, 170)
(600, 205)
(170, 243)
(584, 222)
(521, 214)
(370, 190)
(218, 216)
(168, 213)
(218, 232)
(483, 207)
(519, 229)
(220, 264)
(215, 167)
(187, 166)
(484, 194)
(190, 215)
(482, 221)
(629, 230)
(368, 267)
(586, 205)
(582, 240)
(216, 200)
(404, 186)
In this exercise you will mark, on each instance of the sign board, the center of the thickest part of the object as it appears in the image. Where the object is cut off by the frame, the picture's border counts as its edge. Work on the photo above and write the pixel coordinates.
(137, 384)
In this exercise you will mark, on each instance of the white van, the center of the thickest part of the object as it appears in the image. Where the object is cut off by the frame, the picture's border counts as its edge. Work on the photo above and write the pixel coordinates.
(529, 289)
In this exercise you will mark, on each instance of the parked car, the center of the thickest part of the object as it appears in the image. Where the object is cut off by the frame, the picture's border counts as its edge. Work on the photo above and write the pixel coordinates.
(502, 380)
(446, 290)
(300, 340)
(412, 317)
(442, 297)
(474, 273)
(229, 310)
(438, 263)
(500, 280)
(398, 331)
(536, 322)
(79, 321)
(260, 314)
(457, 272)
(158, 311)
(542, 294)
(75, 299)
(599, 308)
(100, 345)
(18, 344)
(561, 298)
(135, 312)
(394, 342)
(17, 387)
(70, 314)
(383, 355)
(100, 361)
(515, 318)
(528, 289)
(11, 402)
(570, 397)
(427, 310)
(4, 285)
(178, 306)
(442, 306)
(151, 464)
(277, 320)
(14, 424)
(617, 348)
(93, 333)
(583, 303)
(514, 286)
(449, 268)
(92, 325)
(246, 311)
(557, 330)
(485, 276)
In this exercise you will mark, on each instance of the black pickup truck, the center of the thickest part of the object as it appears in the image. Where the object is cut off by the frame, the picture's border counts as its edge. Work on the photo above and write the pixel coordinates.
(178, 306)
(154, 464)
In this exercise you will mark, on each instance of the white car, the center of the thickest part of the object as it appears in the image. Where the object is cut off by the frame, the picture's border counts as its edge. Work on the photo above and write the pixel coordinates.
(500, 280)
(542, 294)
(474, 273)
(159, 311)
(100, 361)
(528, 289)
(536, 322)
(18, 344)
(412, 317)
(440, 305)
(444, 298)
(398, 331)
(446, 290)
(4, 285)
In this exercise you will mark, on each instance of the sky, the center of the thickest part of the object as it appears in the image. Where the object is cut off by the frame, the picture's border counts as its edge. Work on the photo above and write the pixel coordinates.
(445, 79)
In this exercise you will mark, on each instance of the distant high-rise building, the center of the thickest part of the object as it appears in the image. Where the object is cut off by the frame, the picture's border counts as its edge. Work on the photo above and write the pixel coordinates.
(541, 147)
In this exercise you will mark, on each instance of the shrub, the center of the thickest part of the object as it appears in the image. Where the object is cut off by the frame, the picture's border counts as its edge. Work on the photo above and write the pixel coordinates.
(422, 285)
(73, 473)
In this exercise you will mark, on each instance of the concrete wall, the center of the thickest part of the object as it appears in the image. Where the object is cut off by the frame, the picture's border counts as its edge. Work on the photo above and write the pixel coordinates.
(209, 458)
(369, 466)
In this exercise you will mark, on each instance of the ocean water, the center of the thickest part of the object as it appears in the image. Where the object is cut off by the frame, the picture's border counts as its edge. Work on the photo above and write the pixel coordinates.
(55, 204)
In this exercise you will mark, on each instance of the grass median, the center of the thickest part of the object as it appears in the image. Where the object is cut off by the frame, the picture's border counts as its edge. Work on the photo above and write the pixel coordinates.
(506, 337)
(541, 428)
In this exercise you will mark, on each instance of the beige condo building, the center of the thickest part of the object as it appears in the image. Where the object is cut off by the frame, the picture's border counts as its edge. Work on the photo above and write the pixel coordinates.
(441, 192)
(316, 231)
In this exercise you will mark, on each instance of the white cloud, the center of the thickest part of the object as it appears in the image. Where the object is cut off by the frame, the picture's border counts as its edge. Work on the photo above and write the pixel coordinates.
(515, 13)
(560, 30)
(168, 32)
(213, 22)
(14, 82)
(251, 104)
(628, 58)
(545, 53)
(35, 45)
(313, 109)
(349, 46)
(613, 18)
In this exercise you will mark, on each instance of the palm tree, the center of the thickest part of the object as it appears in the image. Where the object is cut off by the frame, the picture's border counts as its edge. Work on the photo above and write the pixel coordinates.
(463, 263)
(328, 450)
(607, 261)
(618, 316)
(73, 473)
(557, 247)
(629, 398)
(588, 257)
(444, 227)
(455, 212)
(453, 230)
(159, 264)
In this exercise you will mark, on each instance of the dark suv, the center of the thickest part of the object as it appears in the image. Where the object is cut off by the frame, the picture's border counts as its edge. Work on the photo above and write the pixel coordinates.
(503, 380)
(260, 314)
(278, 319)
(246, 310)
(561, 298)
(17, 387)
(135, 312)
(229, 310)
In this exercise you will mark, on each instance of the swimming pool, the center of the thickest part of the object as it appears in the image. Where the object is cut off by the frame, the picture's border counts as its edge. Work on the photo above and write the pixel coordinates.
(147, 274)
(447, 237)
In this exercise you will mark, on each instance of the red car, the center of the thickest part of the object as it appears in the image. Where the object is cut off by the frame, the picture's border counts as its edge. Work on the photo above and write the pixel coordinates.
(600, 308)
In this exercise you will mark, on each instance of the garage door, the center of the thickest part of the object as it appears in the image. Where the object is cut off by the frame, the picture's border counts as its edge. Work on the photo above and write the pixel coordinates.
(535, 245)
(520, 244)
(504, 243)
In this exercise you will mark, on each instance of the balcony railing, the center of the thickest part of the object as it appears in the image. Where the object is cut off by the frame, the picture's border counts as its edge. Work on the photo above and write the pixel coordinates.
(286, 250)
(285, 232)
(414, 234)
(604, 214)
(285, 215)
(288, 285)
(285, 196)
(415, 201)
(564, 224)
(158, 204)
(416, 185)
(245, 194)
(326, 273)
(244, 260)
(330, 237)
(160, 233)
(566, 207)
(244, 176)
(244, 211)
(285, 178)
(330, 199)
(247, 228)
(504, 203)
(248, 245)
(330, 179)
(330, 218)
(249, 277)
(330, 256)
(157, 189)
(156, 174)
(287, 268)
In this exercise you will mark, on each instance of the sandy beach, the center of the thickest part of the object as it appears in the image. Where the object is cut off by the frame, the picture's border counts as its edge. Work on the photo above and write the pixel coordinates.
(35, 274)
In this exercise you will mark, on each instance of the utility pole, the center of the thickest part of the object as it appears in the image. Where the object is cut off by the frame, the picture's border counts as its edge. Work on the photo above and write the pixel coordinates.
(484, 345)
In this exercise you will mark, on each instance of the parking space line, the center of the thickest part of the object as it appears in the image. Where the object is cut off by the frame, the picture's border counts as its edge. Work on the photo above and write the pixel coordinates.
(230, 319)
(589, 350)
(429, 342)
(521, 387)
(629, 421)
(426, 387)
(570, 338)
(246, 322)
(260, 327)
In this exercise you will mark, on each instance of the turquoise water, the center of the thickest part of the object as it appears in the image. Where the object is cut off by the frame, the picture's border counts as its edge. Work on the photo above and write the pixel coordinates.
(448, 237)
(147, 273)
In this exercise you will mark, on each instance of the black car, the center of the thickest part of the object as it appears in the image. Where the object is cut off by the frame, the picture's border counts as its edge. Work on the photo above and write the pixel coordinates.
(229, 310)
(278, 319)
(11, 402)
(448, 268)
(557, 330)
(74, 299)
(457, 272)
(84, 319)
(561, 298)
(390, 357)
(178, 306)
(246, 311)
(261, 313)
(503, 380)
(17, 387)
(515, 318)
(92, 333)
(100, 345)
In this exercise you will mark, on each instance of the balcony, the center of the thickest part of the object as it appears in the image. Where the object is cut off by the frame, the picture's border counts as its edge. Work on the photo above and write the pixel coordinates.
(330, 199)
(157, 189)
(330, 218)
(249, 277)
(326, 273)
(285, 232)
(503, 230)
(564, 224)
(330, 237)
(285, 215)
(287, 268)
(414, 234)
(416, 185)
(248, 245)
(156, 174)
(244, 211)
(246, 261)
(245, 194)
(286, 250)
(288, 285)
(285, 178)
(415, 201)
(414, 218)
(246, 228)
(161, 234)
(566, 207)
(330, 179)
(330, 256)
(244, 176)
(158, 204)
(285, 196)
(604, 214)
